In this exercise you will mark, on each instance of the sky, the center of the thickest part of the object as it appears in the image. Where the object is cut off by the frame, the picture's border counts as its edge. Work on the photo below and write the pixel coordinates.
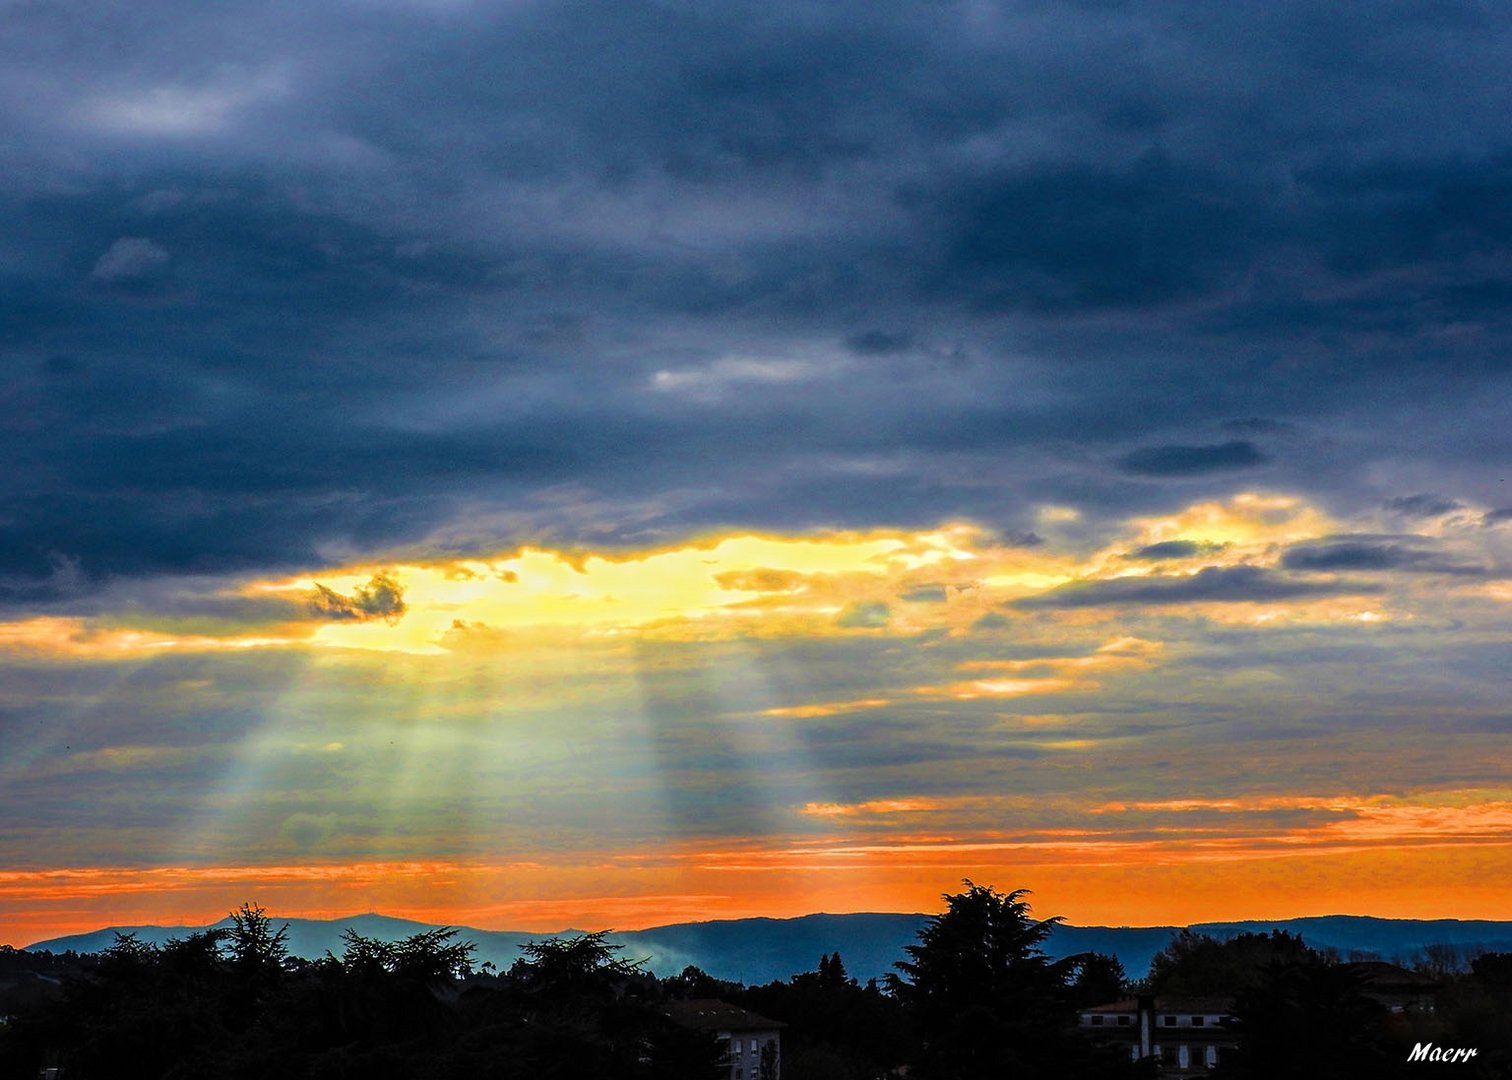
(547, 463)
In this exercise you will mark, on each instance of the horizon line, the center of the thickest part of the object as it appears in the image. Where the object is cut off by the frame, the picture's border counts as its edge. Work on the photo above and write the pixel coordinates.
(129, 927)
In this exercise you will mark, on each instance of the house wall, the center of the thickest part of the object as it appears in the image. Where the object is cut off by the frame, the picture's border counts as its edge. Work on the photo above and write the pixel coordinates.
(745, 1052)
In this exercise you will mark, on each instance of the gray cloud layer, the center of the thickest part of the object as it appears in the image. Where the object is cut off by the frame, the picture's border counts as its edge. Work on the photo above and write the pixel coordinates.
(1234, 584)
(283, 281)
(1368, 554)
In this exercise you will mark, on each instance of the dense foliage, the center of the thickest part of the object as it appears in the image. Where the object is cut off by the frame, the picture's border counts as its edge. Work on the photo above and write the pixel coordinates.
(1297, 1010)
(231, 1003)
(989, 1002)
(1196, 965)
(836, 1028)
(976, 998)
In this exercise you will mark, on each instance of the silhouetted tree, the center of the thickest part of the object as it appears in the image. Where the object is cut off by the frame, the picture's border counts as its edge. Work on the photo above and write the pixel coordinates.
(988, 1001)
(568, 969)
(1440, 960)
(392, 988)
(586, 1012)
(836, 1029)
(1470, 1010)
(431, 957)
(130, 1018)
(229, 1003)
(1099, 979)
(832, 971)
(1310, 1017)
(768, 1070)
(1197, 965)
(252, 941)
(1493, 970)
(694, 982)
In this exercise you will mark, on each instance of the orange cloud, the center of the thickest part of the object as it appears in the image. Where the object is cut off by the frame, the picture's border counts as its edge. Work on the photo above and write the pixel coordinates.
(873, 807)
(834, 708)
(1048, 675)
(1391, 857)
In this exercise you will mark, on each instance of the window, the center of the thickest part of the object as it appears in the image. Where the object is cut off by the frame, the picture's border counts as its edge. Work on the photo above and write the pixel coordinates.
(1097, 1021)
(1198, 1021)
(1123, 1021)
(1170, 1021)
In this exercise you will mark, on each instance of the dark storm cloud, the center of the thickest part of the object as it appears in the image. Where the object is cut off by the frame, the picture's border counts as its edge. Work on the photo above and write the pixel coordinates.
(1367, 554)
(1077, 236)
(1188, 460)
(282, 280)
(878, 343)
(1423, 505)
(1175, 549)
(1213, 585)
(1256, 425)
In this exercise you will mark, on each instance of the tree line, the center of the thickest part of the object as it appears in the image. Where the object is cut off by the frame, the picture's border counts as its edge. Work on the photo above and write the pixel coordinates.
(975, 998)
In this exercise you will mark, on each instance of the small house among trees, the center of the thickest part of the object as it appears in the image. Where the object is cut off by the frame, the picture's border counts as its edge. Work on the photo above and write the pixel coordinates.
(752, 1043)
(1186, 1035)
(977, 998)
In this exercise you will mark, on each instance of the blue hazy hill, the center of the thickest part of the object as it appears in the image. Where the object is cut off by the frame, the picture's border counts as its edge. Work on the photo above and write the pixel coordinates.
(759, 950)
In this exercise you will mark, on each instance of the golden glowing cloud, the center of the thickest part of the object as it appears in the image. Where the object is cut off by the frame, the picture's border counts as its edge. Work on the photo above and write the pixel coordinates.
(1248, 522)
(1048, 675)
(730, 585)
(710, 582)
(873, 806)
(72, 637)
(834, 708)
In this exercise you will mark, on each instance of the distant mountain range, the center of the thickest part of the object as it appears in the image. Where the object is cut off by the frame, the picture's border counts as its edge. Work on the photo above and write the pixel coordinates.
(760, 950)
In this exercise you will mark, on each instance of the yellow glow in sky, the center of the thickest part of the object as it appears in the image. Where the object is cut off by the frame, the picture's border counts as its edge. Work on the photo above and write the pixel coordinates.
(740, 584)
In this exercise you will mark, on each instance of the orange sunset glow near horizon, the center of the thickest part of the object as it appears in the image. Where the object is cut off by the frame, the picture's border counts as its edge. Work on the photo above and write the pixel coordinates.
(773, 725)
(547, 465)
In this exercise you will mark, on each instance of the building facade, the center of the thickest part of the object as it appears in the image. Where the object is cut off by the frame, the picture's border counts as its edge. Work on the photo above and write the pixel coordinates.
(752, 1043)
(1187, 1035)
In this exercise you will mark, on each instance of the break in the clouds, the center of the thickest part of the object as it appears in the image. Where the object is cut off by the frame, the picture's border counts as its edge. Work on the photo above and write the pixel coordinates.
(1049, 327)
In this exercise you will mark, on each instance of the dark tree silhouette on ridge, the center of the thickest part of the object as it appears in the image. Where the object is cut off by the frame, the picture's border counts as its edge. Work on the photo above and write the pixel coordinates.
(988, 1001)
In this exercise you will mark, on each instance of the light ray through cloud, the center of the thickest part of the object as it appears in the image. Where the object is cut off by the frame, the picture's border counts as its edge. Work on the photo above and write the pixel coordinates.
(792, 459)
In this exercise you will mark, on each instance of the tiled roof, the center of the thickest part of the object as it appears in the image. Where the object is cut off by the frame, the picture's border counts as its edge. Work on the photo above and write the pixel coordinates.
(711, 1014)
(1377, 974)
(1210, 1006)
(1128, 1005)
